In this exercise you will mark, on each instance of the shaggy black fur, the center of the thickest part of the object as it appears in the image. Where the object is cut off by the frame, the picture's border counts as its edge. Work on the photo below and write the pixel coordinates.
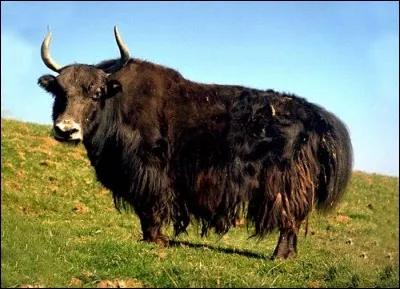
(171, 149)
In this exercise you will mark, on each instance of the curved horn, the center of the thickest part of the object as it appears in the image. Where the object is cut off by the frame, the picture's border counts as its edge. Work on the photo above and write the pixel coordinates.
(123, 49)
(48, 61)
(272, 109)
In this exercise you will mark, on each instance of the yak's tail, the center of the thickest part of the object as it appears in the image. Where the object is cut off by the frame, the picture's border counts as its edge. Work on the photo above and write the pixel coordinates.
(335, 157)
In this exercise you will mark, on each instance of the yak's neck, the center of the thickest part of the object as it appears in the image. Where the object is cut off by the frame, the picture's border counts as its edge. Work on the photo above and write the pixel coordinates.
(104, 131)
(107, 142)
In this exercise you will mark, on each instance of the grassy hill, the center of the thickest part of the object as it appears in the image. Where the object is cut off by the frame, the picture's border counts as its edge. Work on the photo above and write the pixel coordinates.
(59, 229)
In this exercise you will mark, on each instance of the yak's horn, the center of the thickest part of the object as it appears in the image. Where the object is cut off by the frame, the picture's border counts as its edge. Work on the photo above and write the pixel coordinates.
(48, 61)
(123, 49)
(272, 109)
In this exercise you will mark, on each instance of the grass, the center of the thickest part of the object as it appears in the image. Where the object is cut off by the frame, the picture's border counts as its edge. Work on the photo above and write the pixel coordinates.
(59, 229)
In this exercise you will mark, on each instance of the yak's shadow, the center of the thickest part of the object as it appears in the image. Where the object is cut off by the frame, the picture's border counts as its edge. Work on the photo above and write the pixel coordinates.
(246, 253)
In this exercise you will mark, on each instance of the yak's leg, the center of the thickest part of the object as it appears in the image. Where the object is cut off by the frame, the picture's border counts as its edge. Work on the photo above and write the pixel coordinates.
(293, 237)
(151, 228)
(180, 216)
(287, 243)
(282, 249)
(181, 224)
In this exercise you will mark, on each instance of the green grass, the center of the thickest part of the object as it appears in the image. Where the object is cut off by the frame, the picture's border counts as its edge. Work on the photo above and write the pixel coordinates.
(59, 228)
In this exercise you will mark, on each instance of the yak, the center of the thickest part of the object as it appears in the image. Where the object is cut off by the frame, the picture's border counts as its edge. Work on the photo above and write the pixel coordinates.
(175, 151)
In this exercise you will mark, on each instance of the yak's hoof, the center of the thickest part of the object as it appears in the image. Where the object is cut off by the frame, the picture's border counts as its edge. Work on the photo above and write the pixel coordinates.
(161, 241)
(284, 255)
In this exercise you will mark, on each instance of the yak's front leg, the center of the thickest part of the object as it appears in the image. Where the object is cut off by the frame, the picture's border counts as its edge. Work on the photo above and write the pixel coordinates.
(287, 243)
(151, 228)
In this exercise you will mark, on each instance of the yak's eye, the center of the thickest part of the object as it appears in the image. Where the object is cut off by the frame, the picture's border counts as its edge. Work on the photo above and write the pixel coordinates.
(89, 89)
(97, 93)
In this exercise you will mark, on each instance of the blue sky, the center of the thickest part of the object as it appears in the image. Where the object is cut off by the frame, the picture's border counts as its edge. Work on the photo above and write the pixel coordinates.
(341, 55)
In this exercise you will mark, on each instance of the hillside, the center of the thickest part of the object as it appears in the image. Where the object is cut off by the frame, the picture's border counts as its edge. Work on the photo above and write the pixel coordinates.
(59, 228)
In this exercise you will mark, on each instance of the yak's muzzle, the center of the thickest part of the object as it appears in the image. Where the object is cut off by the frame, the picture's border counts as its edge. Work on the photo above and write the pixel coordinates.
(67, 130)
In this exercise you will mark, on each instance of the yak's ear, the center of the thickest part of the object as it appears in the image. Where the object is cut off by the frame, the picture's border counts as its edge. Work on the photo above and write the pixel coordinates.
(48, 82)
(112, 88)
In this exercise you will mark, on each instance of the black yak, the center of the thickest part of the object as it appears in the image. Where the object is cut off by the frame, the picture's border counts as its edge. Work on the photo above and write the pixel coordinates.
(173, 149)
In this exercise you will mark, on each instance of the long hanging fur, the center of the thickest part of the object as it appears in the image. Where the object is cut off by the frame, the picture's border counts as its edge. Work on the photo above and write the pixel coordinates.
(311, 164)
(173, 149)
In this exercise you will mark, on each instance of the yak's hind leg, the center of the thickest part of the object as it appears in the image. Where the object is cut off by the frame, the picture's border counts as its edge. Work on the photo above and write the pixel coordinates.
(287, 243)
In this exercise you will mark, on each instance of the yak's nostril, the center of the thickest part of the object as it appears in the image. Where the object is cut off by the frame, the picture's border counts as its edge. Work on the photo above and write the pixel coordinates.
(58, 130)
(67, 129)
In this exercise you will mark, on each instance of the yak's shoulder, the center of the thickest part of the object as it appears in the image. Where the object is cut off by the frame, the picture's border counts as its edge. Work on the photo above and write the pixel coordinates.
(110, 62)
(144, 69)
(289, 101)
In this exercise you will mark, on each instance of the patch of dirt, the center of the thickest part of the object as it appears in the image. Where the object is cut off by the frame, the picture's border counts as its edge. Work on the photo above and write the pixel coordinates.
(20, 173)
(9, 165)
(22, 156)
(49, 163)
(75, 282)
(106, 284)
(130, 283)
(76, 156)
(102, 192)
(12, 185)
(45, 151)
(81, 208)
(53, 188)
(343, 219)
(49, 141)
(315, 284)
(25, 210)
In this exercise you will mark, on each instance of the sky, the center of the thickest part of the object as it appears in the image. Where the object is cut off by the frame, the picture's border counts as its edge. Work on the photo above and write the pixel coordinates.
(343, 56)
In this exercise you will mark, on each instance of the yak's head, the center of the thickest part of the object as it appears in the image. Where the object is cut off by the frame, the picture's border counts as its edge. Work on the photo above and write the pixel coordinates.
(79, 90)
